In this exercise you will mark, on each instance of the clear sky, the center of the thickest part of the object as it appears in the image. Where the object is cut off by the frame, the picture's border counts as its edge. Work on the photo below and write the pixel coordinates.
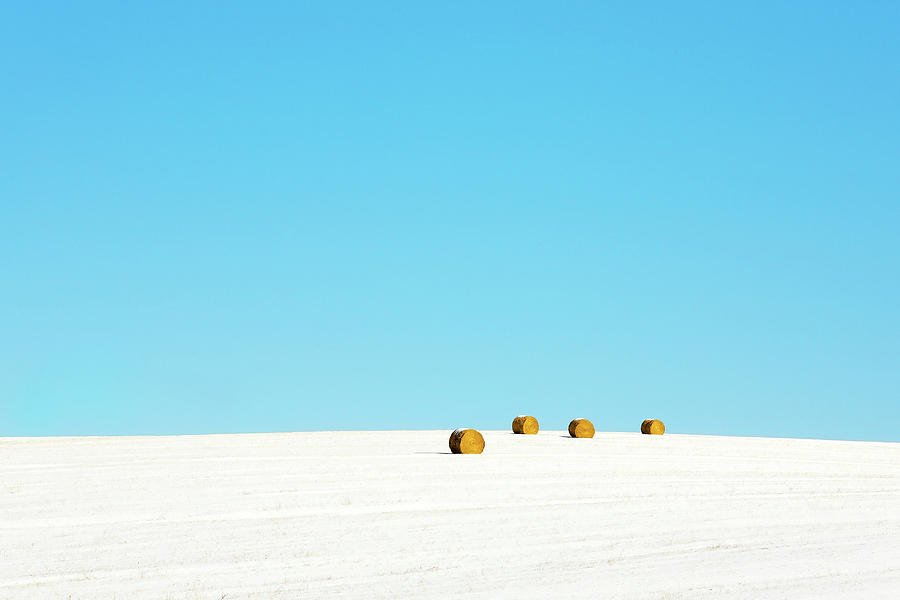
(227, 217)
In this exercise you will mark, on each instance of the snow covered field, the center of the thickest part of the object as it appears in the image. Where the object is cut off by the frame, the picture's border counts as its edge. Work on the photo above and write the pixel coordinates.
(394, 515)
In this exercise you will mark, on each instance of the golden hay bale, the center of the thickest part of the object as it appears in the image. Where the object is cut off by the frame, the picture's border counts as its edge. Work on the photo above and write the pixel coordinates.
(653, 427)
(466, 441)
(581, 428)
(525, 424)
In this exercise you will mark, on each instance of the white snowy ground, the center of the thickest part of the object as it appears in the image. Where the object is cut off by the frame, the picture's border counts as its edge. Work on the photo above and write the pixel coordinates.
(394, 515)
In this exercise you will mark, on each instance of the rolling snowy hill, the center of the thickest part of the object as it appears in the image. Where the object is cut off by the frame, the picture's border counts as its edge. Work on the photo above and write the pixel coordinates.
(394, 515)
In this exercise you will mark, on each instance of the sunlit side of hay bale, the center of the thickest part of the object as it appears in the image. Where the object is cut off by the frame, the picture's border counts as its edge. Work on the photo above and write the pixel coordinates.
(525, 424)
(581, 428)
(466, 441)
(653, 427)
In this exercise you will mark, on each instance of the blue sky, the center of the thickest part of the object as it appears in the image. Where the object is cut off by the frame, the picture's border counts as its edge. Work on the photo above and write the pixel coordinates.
(299, 216)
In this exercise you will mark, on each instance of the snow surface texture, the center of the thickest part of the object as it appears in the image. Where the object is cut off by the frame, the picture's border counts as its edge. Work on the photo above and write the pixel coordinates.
(395, 515)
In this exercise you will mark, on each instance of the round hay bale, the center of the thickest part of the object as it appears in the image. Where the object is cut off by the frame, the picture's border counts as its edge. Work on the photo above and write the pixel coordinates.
(525, 424)
(466, 441)
(581, 428)
(653, 427)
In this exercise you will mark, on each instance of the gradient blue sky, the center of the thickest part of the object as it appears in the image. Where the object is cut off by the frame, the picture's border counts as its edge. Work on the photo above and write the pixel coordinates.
(225, 217)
